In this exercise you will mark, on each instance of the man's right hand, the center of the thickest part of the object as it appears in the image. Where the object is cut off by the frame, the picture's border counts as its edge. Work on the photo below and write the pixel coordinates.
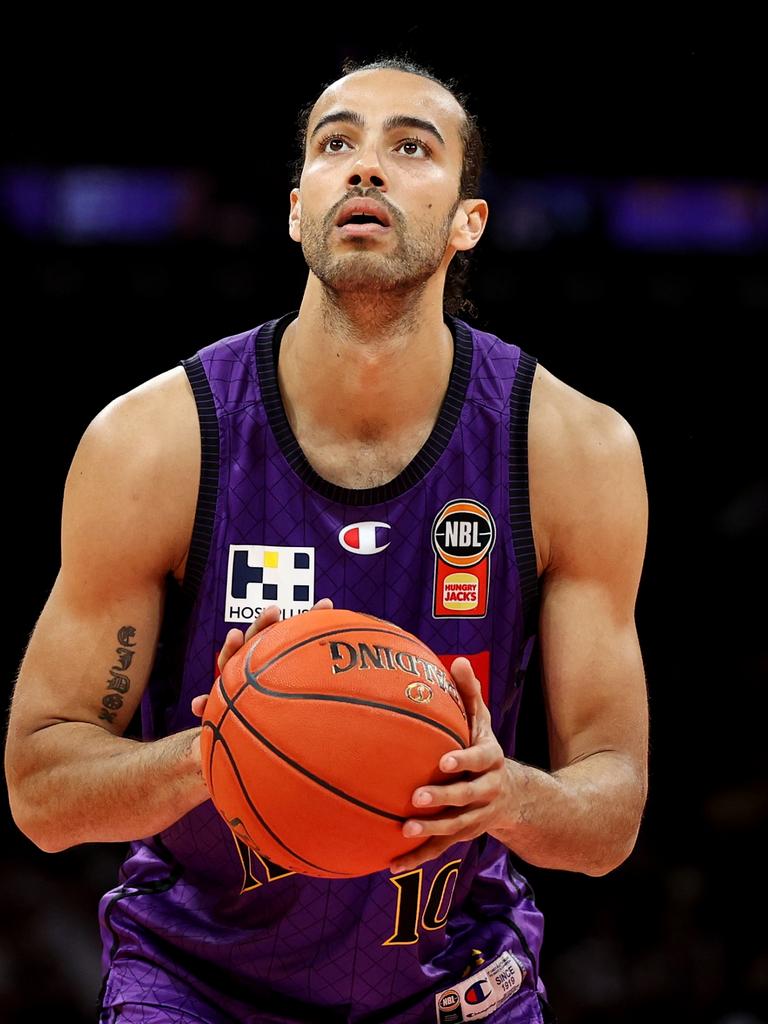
(233, 642)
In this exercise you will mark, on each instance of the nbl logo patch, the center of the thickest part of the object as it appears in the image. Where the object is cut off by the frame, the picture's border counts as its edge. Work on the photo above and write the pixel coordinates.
(463, 535)
(262, 574)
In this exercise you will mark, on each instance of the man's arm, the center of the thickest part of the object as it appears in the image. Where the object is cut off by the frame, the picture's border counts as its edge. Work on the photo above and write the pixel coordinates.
(127, 516)
(584, 815)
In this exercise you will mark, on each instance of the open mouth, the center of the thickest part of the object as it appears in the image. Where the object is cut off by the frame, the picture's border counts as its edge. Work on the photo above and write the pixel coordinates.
(363, 218)
(361, 224)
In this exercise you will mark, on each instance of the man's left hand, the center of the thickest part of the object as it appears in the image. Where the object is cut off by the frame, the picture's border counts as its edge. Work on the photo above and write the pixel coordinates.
(483, 796)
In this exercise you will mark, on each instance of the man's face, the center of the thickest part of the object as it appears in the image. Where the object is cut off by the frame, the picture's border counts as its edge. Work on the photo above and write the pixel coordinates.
(406, 168)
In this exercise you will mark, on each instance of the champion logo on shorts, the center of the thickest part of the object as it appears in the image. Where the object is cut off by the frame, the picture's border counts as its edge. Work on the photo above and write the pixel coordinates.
(482, 993)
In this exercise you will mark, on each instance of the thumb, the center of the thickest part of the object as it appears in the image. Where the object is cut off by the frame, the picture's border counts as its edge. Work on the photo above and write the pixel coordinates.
(198, 704)
(461, 670)
(466, 683)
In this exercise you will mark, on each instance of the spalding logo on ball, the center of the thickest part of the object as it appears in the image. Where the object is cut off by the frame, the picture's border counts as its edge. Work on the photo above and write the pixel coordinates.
(316, 735)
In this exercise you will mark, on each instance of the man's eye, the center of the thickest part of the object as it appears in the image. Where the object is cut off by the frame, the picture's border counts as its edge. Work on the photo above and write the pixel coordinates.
(340, 138)
(332, 138)
(417, 142)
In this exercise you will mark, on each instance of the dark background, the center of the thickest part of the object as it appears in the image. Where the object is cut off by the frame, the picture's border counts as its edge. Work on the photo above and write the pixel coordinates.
(626, 249)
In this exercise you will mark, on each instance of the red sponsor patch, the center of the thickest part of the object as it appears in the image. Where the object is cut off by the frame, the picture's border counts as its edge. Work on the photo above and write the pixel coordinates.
(481, 666)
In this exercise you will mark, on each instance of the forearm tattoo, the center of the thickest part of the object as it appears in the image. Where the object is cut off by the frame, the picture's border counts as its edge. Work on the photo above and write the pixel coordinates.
(119, 682)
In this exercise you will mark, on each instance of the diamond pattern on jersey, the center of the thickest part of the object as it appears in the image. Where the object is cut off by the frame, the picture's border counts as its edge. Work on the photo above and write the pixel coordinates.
(317, 940)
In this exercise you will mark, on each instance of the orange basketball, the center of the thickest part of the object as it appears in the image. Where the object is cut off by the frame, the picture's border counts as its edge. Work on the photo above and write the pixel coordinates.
(318, 732)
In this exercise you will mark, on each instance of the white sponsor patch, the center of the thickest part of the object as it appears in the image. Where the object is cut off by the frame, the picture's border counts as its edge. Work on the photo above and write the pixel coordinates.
(482, 993)
(262, 574)
(360, 538)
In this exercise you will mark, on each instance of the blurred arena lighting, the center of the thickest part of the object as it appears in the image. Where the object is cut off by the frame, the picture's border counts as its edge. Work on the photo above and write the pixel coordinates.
(100, 204)
(634, 213)
(97, 205)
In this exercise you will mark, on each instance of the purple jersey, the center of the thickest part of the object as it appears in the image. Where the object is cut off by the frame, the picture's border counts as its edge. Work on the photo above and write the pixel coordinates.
(203, 926)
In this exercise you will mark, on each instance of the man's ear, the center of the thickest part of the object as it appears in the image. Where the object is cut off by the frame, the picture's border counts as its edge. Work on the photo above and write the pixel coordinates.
(294, 218)
(472, 217)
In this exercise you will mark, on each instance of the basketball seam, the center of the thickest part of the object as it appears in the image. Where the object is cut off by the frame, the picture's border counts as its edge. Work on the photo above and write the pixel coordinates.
(252, 679)
(305, 771)
(246, 794)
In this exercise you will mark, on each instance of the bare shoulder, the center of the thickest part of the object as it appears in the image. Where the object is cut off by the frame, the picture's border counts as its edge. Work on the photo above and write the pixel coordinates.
(150, 437)
(561, 415)
(165, 399)
(585, 468)
(155, 421)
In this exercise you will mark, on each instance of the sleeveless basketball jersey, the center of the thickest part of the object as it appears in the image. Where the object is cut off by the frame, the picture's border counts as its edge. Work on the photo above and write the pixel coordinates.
(208, 928)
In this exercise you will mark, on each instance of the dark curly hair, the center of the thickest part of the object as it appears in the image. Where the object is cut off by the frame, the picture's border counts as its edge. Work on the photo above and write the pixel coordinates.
(455, 301)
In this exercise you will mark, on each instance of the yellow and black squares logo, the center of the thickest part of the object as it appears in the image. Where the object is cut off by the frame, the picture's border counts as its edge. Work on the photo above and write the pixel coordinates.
(261, 574)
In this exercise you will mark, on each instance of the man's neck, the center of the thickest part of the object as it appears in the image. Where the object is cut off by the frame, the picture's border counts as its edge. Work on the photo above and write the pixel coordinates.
(364, 370)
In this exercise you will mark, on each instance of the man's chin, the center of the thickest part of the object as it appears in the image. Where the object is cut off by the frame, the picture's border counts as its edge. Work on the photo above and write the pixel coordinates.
(360, 278)
(371, 287)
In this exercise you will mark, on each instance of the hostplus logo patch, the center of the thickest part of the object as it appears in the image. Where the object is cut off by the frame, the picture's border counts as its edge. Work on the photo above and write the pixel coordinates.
(262, 574)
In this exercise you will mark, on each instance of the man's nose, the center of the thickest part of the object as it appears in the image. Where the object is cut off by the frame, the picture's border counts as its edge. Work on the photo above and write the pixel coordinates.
(367, 169)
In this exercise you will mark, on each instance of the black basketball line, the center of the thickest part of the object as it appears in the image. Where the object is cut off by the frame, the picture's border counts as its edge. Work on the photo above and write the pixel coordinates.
(223, 691)
(306, 772)
(217, 737)
(253, 680)
(215, 731)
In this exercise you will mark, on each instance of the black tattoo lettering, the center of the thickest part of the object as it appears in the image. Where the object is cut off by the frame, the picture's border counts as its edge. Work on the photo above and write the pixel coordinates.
(120, 683)
(125, 657)
(112, 703)
(124, 635)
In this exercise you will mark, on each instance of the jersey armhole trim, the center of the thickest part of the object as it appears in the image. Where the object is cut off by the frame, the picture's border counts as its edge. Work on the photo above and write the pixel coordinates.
(205, 511)
(519, 497)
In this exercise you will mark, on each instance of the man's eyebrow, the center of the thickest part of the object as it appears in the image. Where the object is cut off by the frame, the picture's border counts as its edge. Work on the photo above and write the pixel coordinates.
(392, 122)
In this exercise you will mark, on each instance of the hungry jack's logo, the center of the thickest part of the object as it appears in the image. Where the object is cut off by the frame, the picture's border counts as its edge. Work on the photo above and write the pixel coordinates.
(463, 535)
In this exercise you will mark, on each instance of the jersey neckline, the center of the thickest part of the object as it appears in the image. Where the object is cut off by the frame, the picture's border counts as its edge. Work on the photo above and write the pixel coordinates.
(267, 345)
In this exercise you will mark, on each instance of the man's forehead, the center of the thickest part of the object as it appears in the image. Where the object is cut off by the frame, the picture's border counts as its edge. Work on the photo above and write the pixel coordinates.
(381, 92)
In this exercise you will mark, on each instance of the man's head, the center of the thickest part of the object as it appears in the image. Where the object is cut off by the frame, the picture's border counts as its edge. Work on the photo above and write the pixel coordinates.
(392, 132)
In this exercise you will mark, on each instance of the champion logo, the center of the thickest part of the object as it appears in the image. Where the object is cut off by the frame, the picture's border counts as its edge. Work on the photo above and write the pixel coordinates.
(364, 538)
(478, 993)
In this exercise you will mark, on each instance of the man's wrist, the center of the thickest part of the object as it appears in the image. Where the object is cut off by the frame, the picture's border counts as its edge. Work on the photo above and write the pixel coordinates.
(192, 763)
(523, 785)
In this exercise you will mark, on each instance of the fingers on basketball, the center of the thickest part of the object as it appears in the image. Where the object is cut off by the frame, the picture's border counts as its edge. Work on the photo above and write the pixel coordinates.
(198, 704)
(233, 642)
(235, 638)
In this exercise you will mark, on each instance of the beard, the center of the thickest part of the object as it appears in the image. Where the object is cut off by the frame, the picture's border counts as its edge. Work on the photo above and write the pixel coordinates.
(368, 265)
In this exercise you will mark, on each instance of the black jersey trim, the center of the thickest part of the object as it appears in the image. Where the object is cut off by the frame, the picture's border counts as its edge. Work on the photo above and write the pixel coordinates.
(519, 497)
(205, 511)
(267, 346)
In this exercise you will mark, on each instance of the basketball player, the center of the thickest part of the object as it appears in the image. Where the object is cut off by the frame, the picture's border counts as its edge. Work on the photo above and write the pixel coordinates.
(374, 450)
